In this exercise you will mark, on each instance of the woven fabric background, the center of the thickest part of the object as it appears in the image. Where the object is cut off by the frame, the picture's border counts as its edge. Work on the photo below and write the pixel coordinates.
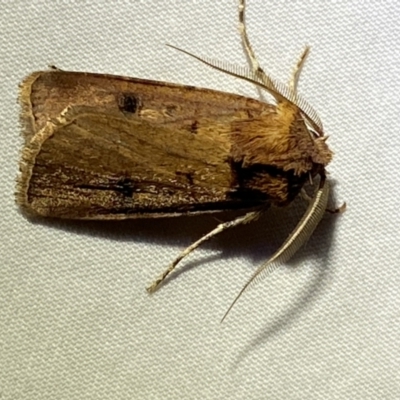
(75, 320)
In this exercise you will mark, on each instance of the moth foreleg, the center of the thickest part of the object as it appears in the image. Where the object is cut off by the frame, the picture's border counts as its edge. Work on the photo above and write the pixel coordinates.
(255, 65)
(297, 69)
(243, 219)
(338, 210)
(305, 195)
(245, 39)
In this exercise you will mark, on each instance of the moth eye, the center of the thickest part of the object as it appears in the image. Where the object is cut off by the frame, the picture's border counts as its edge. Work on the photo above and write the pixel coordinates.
(128, 102)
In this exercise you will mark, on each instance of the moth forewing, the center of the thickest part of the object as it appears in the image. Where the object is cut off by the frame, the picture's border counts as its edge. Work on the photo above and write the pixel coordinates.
(197, 149)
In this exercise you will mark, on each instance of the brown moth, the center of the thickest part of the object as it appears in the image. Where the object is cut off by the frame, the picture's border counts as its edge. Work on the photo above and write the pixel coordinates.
(110, 147)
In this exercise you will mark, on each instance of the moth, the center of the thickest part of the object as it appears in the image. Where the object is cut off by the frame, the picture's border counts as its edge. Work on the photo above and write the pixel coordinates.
(110, 147)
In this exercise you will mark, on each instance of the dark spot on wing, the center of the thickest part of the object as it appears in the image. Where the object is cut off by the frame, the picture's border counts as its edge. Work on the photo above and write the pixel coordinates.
(128, 102)
(193, 127)
(187, 175)
(125, 186)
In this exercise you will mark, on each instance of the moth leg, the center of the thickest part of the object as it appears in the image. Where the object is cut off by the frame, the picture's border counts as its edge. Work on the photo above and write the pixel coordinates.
(245, 39)
(243, 219)
(305, 195)
(297, 69)
(255, 65)
(339, 210)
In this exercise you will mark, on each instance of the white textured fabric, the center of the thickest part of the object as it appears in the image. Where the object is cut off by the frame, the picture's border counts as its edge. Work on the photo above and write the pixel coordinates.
(76, 322)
